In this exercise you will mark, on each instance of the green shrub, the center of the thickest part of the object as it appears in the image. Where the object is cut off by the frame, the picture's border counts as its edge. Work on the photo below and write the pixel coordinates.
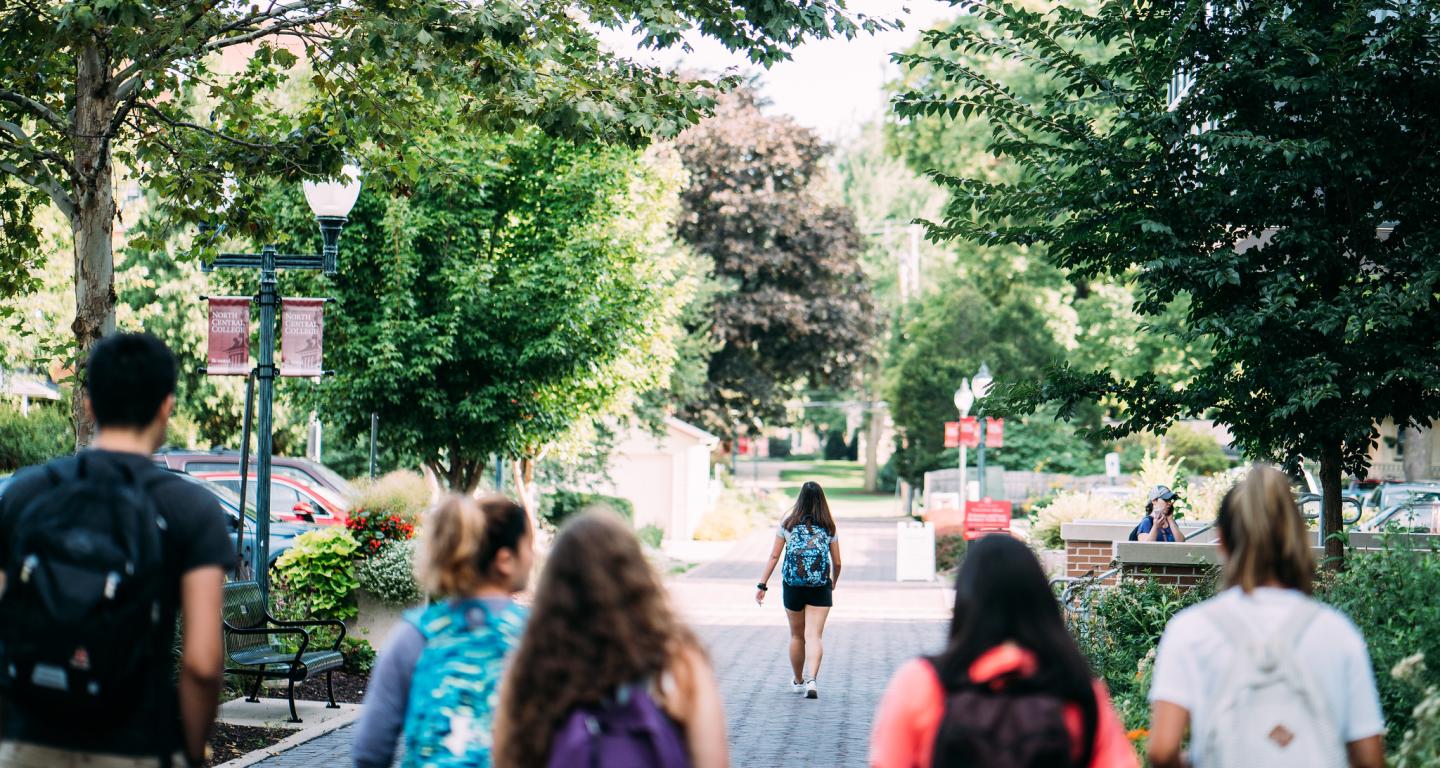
(779, 448)
(389, 575)
(43, 435)
(359, 656)
(652, 535)
(949, 551)
(1390, 595)
(374, 528)
(559, 506)
(316, 576)
(835, 448)
(1118, 629)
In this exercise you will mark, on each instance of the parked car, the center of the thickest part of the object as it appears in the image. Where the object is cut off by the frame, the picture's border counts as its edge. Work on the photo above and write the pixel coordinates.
(282, 534)
(291, 500)
(311, 473)
(1409, 506)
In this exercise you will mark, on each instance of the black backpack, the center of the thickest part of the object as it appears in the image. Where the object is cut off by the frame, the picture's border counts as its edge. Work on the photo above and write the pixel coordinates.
(1014, 727)
(81, 610)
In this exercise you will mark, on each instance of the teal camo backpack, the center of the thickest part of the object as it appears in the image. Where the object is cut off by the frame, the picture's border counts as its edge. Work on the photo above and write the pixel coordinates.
(807, 556)
(456, 687)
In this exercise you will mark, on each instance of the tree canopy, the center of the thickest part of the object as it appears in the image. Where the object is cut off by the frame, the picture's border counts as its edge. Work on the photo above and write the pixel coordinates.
(794, 304)
(177, 97)
(490, 312)
(1248, 161)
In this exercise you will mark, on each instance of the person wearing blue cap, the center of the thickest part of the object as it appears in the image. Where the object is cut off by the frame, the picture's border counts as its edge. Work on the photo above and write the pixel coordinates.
(1159, 523)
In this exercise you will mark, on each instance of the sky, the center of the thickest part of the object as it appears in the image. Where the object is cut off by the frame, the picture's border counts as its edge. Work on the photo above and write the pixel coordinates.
(832, 86)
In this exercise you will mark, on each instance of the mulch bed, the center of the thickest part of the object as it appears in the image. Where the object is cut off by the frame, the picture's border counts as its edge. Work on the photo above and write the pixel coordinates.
(349, 689)
(231, 741)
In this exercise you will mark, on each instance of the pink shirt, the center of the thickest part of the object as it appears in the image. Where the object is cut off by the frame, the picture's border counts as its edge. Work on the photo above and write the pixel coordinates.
(910, 712)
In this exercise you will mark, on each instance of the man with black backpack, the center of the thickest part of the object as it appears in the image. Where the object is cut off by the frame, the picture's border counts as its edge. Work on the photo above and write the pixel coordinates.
(99, 552)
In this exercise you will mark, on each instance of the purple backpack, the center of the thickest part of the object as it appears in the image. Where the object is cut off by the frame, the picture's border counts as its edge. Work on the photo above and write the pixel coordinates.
(628, 731)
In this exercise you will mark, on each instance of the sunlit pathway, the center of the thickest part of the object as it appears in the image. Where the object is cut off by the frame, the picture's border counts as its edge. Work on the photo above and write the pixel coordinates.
(875, 626)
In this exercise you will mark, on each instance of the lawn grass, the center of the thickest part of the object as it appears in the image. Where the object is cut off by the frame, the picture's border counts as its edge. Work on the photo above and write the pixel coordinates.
(843, 482)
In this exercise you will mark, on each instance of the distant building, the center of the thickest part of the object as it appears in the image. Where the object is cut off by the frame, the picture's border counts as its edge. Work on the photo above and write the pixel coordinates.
(666, 477)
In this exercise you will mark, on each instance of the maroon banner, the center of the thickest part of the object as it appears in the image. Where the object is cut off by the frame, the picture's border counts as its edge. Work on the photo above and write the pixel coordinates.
(228, 348)
(302, 328)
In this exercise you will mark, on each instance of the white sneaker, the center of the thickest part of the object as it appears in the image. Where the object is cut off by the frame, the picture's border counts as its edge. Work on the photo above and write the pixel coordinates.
(810, 691)
(797, 687)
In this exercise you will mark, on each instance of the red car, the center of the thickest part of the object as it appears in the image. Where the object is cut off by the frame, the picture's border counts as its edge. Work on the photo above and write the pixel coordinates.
(291, 499)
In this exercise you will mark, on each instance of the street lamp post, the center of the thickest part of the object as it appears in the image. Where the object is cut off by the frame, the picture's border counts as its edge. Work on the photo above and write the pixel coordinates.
(331, 202)
(964, 398)
(981, 384)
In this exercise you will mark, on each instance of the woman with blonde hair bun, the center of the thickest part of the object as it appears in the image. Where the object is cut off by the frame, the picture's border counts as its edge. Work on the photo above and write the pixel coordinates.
(607, 676)
(1262, 674)
(439, 677)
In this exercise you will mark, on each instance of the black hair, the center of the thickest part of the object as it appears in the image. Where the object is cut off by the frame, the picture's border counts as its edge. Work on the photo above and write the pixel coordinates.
(127, 377)
(1002, 596)
(505, 525)
(810, 505)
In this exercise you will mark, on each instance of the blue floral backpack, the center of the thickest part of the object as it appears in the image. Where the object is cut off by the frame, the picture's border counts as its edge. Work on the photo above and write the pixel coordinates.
(807, 555)
(456, 687)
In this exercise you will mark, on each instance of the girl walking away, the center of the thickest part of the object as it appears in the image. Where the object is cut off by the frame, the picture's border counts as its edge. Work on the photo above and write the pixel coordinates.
(1263, 674)
(1010, 689)
(810, 546)
(606, 676)
(439, 677)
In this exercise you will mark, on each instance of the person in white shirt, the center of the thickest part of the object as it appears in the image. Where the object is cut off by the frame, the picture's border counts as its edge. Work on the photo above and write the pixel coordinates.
(1264, 636)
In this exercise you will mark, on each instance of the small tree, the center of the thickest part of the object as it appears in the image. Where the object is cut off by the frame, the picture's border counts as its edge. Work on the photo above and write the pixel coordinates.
(488, 312)
(1268, 162)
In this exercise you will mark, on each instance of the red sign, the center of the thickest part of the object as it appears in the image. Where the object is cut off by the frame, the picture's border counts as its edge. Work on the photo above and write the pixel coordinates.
(966, 432)
(228, 347)
(302, 328)
(987, 516)
(742, 446)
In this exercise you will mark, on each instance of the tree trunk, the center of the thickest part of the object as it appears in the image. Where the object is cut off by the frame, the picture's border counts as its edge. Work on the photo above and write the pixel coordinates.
(93, 224)
(1330, 470)
(1417, 452)
(524, 477)
(872, 448)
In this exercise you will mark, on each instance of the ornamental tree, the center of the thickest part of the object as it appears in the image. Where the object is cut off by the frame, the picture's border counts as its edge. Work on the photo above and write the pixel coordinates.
(1273, 164)
(794, 304)
(177, 96)
(488, 312)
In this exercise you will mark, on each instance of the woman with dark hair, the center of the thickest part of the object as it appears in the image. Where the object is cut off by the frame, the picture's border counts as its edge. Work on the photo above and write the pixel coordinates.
(1011, 687)
(606, 674)
(810, 546)
(439, 676)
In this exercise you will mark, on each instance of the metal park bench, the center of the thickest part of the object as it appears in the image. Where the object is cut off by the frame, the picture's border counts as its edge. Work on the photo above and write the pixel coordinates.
(250, 651)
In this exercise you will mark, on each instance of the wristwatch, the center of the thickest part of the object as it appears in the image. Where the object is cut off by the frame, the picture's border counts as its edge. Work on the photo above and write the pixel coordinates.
(763, 587)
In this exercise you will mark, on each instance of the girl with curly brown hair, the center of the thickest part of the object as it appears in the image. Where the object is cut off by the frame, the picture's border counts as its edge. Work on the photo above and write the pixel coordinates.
(601, 632)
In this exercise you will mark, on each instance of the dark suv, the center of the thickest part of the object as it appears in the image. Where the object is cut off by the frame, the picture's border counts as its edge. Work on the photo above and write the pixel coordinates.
(311, 472)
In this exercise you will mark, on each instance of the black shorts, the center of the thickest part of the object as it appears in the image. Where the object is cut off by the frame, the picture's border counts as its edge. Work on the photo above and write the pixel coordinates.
(796, 598)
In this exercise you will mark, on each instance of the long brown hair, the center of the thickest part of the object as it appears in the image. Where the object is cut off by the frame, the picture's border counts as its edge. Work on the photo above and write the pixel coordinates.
(811, 505)
(1264, 534)
(600, 620)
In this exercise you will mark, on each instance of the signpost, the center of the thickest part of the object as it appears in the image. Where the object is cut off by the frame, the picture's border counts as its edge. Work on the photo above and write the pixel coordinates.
(986, 516)
(965, 433)
(1112, 466)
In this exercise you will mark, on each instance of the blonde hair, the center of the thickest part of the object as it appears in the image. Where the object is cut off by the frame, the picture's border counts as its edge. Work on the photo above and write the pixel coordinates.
(460, 538)
(1264, 533)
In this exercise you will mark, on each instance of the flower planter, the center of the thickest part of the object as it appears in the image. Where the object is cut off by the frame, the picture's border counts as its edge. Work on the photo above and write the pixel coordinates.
(375, 618)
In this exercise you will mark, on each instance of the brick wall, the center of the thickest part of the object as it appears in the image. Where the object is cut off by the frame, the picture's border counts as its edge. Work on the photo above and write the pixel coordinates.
(1182, 575)
(1083, 556)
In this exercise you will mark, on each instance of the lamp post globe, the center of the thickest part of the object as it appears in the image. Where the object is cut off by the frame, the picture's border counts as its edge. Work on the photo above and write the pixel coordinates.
(331, 202)
(964, 398)
(982, 381)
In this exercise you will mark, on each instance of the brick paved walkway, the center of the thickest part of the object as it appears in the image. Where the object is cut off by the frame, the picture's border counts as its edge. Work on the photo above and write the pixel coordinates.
(875, 626)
